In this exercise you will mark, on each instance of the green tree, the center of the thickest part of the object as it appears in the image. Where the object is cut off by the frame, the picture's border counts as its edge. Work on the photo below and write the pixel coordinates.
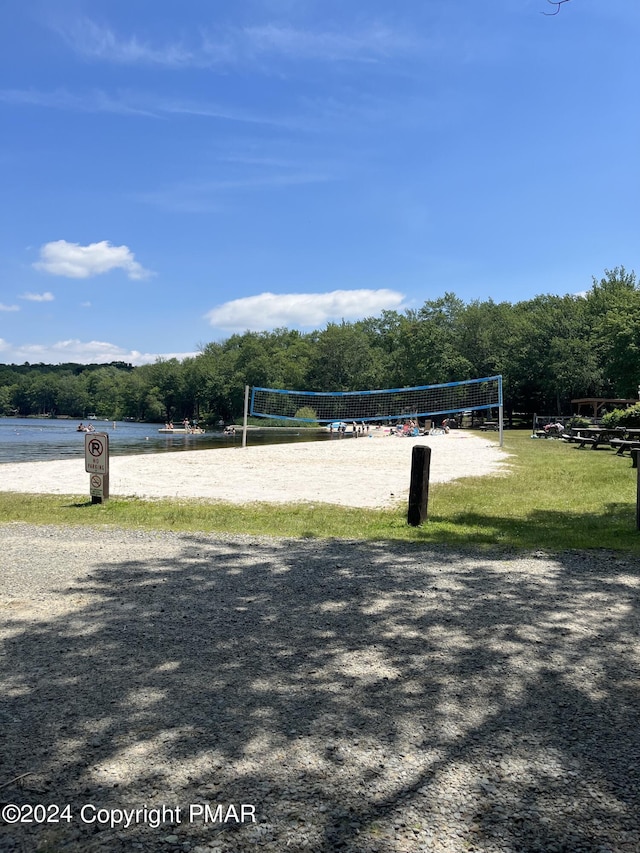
(549, 358)
(343, 359)
(221, 389)
(289, 358)
(426, 347)
(166, 385)
(71, 398)
(42, 394)
(7, 393)
(614, 307)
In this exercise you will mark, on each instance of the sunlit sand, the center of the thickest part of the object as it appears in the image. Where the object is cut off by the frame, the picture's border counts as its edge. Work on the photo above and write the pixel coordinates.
(364, 472)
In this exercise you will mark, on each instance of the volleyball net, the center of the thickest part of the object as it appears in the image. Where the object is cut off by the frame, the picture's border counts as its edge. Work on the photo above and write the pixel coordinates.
(391, 404)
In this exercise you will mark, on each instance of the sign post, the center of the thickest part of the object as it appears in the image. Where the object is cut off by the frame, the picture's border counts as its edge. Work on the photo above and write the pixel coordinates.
(637, 492)
(96, 463)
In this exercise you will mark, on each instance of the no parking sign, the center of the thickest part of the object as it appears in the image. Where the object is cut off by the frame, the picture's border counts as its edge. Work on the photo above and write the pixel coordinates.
(96, 463)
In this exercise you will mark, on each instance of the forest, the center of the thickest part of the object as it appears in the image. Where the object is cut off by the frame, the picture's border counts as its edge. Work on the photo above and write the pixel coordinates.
(549, 349)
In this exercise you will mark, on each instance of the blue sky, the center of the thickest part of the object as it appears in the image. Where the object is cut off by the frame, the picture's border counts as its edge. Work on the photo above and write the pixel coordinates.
(175, 172)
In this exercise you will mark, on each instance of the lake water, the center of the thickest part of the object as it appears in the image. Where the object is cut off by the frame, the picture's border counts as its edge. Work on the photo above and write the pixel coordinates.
(39, 439)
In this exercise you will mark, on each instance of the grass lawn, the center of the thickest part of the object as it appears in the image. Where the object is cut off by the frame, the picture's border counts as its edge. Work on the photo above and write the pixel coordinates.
(554, 498)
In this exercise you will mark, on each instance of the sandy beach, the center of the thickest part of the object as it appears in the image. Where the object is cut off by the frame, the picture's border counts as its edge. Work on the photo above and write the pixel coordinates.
(366, 472)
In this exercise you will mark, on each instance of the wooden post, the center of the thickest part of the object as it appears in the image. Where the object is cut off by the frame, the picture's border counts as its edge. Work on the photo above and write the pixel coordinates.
(246, 416)
(638, 501)
(419, 488)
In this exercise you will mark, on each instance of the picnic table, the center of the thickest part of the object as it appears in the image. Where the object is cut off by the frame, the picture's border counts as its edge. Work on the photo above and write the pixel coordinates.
(618, 438)
(627, 439)
(593, 436)
(489, 425)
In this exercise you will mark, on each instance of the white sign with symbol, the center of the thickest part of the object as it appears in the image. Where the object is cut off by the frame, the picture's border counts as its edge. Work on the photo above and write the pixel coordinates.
(96, 453)
(96, 485)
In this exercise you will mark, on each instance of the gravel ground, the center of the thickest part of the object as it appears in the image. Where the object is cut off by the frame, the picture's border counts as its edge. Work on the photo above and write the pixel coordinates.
(359, 697)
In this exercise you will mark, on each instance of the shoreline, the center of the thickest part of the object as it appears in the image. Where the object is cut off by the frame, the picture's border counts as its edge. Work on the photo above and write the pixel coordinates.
(365, 472)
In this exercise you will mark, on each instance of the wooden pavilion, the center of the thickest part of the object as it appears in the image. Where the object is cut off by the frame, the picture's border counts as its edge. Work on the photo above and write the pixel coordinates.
(596, 407)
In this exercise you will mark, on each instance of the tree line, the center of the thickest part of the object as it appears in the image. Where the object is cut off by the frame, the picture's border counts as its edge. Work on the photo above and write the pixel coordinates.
(549, 349)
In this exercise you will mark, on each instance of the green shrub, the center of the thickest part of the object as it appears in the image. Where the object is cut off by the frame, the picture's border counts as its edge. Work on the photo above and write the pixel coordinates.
(612, 419)
(578, 422)
(623, 417)
(310, 416)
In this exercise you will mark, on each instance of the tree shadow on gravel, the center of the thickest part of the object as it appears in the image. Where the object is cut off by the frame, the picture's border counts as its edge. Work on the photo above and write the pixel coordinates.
(365, 697)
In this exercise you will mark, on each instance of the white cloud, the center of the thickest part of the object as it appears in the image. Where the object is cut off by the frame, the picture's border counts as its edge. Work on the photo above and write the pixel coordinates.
(9, 307)
(99, 42)
(312, 115)
(270, 310)
(207, 195)
(240, 45)
(38, 297)
(374, 43)
(75, 261)
(94, 101)
(133, 103)
(80, 352)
